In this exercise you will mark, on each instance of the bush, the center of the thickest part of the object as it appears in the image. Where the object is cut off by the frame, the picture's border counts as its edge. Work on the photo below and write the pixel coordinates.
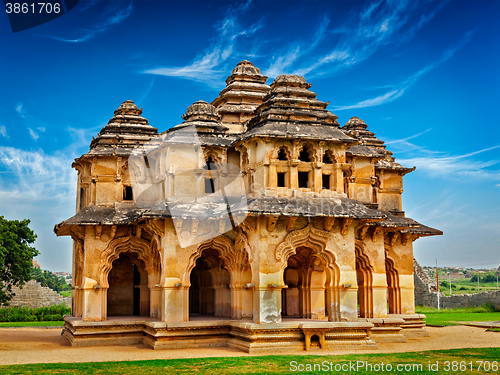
(48, 318)
(25, 314)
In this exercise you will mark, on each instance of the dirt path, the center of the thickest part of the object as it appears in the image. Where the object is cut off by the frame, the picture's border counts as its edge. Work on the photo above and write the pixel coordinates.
(35, 345)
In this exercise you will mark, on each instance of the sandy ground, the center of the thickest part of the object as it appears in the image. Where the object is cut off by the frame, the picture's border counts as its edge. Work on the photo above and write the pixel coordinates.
(35, 345)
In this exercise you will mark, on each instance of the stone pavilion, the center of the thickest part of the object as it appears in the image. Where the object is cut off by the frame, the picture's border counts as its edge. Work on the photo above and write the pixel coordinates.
(311, 249)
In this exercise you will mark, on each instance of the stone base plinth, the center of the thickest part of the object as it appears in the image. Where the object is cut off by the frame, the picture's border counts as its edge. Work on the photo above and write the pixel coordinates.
(161, 335)
(294, 336)
(413, 326)
(246, 336)
(115, 332)
(386, 329)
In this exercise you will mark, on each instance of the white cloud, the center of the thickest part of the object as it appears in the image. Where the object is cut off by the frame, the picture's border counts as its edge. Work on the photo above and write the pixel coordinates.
(440, 164)
(42, 188)
(33, 134)
(21, 110)
(381, 99)
(405, 140)
(296, 50)
(114, 13)
(3, 131)
(362, 34)
(42, 128)
(36, 173)
(405, 85)
(208, 66)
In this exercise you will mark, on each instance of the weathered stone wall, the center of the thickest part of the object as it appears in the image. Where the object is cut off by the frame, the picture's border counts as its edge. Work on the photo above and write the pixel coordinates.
(425, 293)
(33, 295)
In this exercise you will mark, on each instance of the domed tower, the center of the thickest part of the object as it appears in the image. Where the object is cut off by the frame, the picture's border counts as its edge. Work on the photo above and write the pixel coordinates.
(246, 87)
(123, 132)
(203, 117)
(374, 177)
(103, 177)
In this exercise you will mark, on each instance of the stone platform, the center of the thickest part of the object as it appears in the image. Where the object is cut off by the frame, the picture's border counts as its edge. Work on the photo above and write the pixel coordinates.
(413, 326)
(291, 335)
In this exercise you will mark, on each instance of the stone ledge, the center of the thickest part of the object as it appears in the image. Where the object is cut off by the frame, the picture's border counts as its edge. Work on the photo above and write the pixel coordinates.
(246, 336)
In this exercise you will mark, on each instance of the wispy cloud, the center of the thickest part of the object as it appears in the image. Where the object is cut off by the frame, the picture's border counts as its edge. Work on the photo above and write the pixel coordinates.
(34, 135)
(328, 49)
(405, 140)
(282, 63)
(441, 164)
(401, 88)
(3, 131)
(146, 93)
(29, 119)
(114, 12)
(20, 110)
(209, 66)
(376, 25)
(42, 188)
(35, 174)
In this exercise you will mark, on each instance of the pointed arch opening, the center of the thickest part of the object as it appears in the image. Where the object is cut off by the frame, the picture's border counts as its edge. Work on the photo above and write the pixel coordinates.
(306, 276)
(311, 275)
(393, 289)
(365, 284)
(209, 292)
(129, 269)
(218, 274)
(128, 292)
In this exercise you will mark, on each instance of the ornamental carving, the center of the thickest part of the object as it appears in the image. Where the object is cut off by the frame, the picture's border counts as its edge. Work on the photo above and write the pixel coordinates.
(308, 237)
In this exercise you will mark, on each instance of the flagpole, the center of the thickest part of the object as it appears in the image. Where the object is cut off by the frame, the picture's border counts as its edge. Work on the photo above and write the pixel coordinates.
(437, 281)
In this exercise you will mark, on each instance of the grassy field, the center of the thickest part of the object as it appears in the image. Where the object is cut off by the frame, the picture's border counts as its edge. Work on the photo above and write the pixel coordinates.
(448, 317)
(412, 363)
(466, 284)
(32, 324)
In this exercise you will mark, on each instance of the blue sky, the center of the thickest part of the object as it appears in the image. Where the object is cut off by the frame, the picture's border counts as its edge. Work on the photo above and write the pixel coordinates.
(424, 76)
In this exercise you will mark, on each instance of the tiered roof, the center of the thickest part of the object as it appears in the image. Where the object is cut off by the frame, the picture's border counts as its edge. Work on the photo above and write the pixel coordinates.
(203, 117)
(371, 146)
(246, 87)
(291, 110)
(123, 133)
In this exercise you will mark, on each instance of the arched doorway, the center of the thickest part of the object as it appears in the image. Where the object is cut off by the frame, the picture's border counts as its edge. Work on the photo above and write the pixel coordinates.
(365, 284)
(393, 290)
(209, 293)
(128, 292)
(309, 289)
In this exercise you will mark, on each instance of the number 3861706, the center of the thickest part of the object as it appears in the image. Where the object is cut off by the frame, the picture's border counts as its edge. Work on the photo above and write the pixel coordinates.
(32, 8)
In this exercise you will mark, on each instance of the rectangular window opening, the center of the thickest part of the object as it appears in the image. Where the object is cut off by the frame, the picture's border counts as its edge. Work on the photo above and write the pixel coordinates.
(326, 181)
(127, 193)
(209, 186)
(82, 198)
(303, 180)
(281, 179)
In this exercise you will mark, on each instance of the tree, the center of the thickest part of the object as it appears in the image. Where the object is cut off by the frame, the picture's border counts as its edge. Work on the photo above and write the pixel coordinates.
(16, 256)
(50, 280)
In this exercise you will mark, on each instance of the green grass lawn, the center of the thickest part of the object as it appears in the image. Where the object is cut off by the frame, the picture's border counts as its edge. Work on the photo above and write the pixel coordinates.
(32, 324)
(413, 363)
(448, 317)
(65, 293)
